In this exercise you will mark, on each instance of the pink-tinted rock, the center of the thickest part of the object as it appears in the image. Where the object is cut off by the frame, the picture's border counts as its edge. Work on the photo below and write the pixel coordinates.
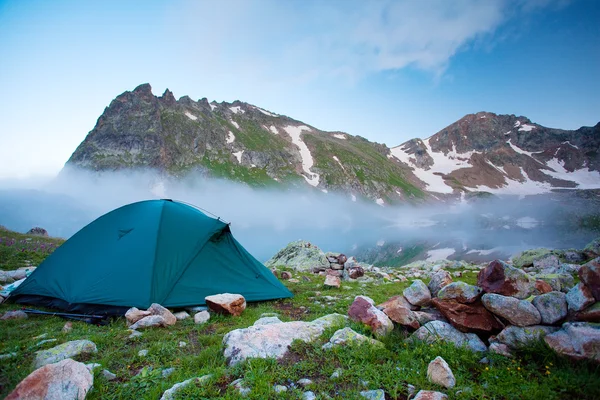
(578, 341)
(589, 274)
(579, 297)
(18, 314)
(341, 259)
(356, 272)
(430, 395)
(590, 314)
(517, 312)
(501, 278)
(133, 315)
(398, 310)
(468, 317)
(157, 309)
(363, 310)
(438, 280)
(542, 287)
(226, 303)
(285, 275)
(334, 272)
(459, 291)
(333, 281)
(439, 372)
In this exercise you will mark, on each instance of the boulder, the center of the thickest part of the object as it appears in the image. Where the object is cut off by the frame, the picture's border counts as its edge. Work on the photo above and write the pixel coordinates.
(181, 315)
(63, 380)
(341, 259)
(501, 278)
(201, 317)
(273, 340)
(37, 231)
(301, 256)
(149, 322)
(438, 330)
(551, 306)
(63, 351)
(516, 337)
(438, 280)
(572, 256)
(133, 315)
(527, 257)
(501, 348)
(428, 315)
(429, 395)
(334, 272)
(460, 291)
(578, 341)
(468, 317)
(589, 274)
(593, 247)
(579, 297)
(417, 293)
(377, 394)
(267, 321)
(285, 275)
(363, 310)
(18, 314)
(399, 310)
(548, 262)
(333, 281)
(542, 287)
(226, 303)
(336, 266)
(590, 314)
(347, 336)
(157, 309)
(355, 272)
(517, 312)
(170, 394)
(439, 372)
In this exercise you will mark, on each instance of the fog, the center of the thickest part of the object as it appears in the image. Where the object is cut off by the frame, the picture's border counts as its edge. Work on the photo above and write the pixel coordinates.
(265, 220)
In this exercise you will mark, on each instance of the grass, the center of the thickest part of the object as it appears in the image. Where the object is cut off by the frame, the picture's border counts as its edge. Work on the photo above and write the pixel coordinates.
(536, 373)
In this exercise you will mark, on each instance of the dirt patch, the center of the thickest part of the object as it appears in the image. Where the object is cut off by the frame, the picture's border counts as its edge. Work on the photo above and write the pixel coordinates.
(290, 310)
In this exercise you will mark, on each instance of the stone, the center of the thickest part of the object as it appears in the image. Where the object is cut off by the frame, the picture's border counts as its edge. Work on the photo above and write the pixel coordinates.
(157, 309)
(37, 231)
(578, 340)
(548, 262)
(337, 373)
(7, 356)
(63, 380)
(63, 351)
(517, 312)
(285, 275)
(501, 348)
(428, 315)
(226, 303)
(181, 315)
(438, 280)
(399, 311)
(459, 291)
(170, 394)
(378, 394)
(148, 322)
(417, 293)
(542, 286)
(439, 372)
(143, 353)
(516, 337)
(336, 266)
(438, 330)
(92, 366)
(133, 315)
(589, 275)
(468, 317)
(333, 281)
(300, 256)
(335, 273)
(68, 327)
(273, 340)
(167, 372)
(341, 259)
(363, 310)
(572, 256)
(527, 257)
(309, 396)
(280, 388)
(355, 272)
(134, 333)
(182, 344)
(347, 336)
(201, 317)
(590, 314)
(304, 382)
(593, 246)
(18, 314)
(551, 306)
(267, 321)
(293, 280)
(501, 278)
(429, 395)
(109, 376)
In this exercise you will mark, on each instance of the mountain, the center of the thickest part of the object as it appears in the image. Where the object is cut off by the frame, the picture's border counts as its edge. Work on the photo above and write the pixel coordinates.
(481, 152)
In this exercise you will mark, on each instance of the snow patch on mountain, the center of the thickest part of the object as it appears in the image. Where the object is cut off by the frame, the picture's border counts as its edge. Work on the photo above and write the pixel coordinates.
(235, 124)
(307, 160)
(339, 136)
(190, 116)
(526, 128)
(527, 222)
(237, 110)
(230, 137)
(238, 155)
(380, 202)
(584, 178)
(521, 151)
(212, 106)
(338, 161)
(266, 112)
(274, 130)
(569, 143)
(484, 252)
(439, 254)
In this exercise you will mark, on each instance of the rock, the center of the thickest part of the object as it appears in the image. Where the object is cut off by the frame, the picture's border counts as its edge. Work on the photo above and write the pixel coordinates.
(439, 372)
(346, 336)
(170, 394)
(335, 273)
(378, 394)
(226, 303)
(134, 333)
(304, 382)
(149, 321)
(590, 314)
(181, 315)
(63, 351)
(501, 348)
(578, 341)
(430, 395)
(273, 340)
(468, 317)
(37, 231)
(167, 372)
(109, 376)
(527, 257)
(589, 274)
(266, 321)
(438, 280)
(593, 247)
(542, 287)
(552, 307)
(133, 315)
(399, 310)
(336, 374)
(299, 255)
(280, 388)
(182, 344)
(429, 315)
(516, 337)
(501, 278)
(239, 385)
(201, 317)
(275, 272)
(7, 356)
(363, 310)
(417, 293)
(63, 380)
(459, 291)
(68, 327)
(309, 396)
(18, 314)
(355, 272)
(548, 262)
(293, 280)
(517, 312)
(285, 275)
(438, 330)
(142, 353)
(341, 259)
(333, 281)
(336, 266)
(157, 309)
(572, 256)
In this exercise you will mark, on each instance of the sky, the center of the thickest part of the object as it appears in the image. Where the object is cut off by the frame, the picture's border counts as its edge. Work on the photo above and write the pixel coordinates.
(385, 70)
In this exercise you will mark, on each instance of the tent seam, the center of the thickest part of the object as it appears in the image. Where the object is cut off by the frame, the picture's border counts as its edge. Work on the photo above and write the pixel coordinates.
(160, 219)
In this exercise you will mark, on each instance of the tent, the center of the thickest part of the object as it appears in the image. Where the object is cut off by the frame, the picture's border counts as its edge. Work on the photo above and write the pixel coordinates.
(155, 251)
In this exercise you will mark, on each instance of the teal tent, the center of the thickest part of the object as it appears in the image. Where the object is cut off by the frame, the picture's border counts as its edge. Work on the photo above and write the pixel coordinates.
(155, 251)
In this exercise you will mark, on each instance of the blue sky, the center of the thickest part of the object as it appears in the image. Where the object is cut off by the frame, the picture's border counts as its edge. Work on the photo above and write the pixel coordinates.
(385, 70)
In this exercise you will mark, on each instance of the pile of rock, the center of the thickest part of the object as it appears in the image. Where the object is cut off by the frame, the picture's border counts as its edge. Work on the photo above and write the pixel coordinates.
(508, 308)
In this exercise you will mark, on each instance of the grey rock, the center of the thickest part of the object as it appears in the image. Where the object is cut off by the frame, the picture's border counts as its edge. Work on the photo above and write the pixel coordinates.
(552, 307)
(63, 351)
(309, 396)
(7, 355)
(201, 317)
(148, 322)
(170, 394)
(181, 315)
(109, 376)
(280, 388)
(304, 382)
(460, 291)
(430, 395)
(516, 337)
(373, 394)
(18, 314)
(438, 330)
(299, 255)
(439, 372)
(346, 336)
(438, 280)
(417, 293)
(267, 321)
(517, 312)
(579, 340)
(142, 353)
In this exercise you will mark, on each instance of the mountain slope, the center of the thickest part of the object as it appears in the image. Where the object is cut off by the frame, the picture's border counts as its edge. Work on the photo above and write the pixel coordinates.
(241, 142)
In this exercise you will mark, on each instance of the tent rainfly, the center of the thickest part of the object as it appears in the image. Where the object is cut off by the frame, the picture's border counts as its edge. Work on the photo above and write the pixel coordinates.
(154, 251)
